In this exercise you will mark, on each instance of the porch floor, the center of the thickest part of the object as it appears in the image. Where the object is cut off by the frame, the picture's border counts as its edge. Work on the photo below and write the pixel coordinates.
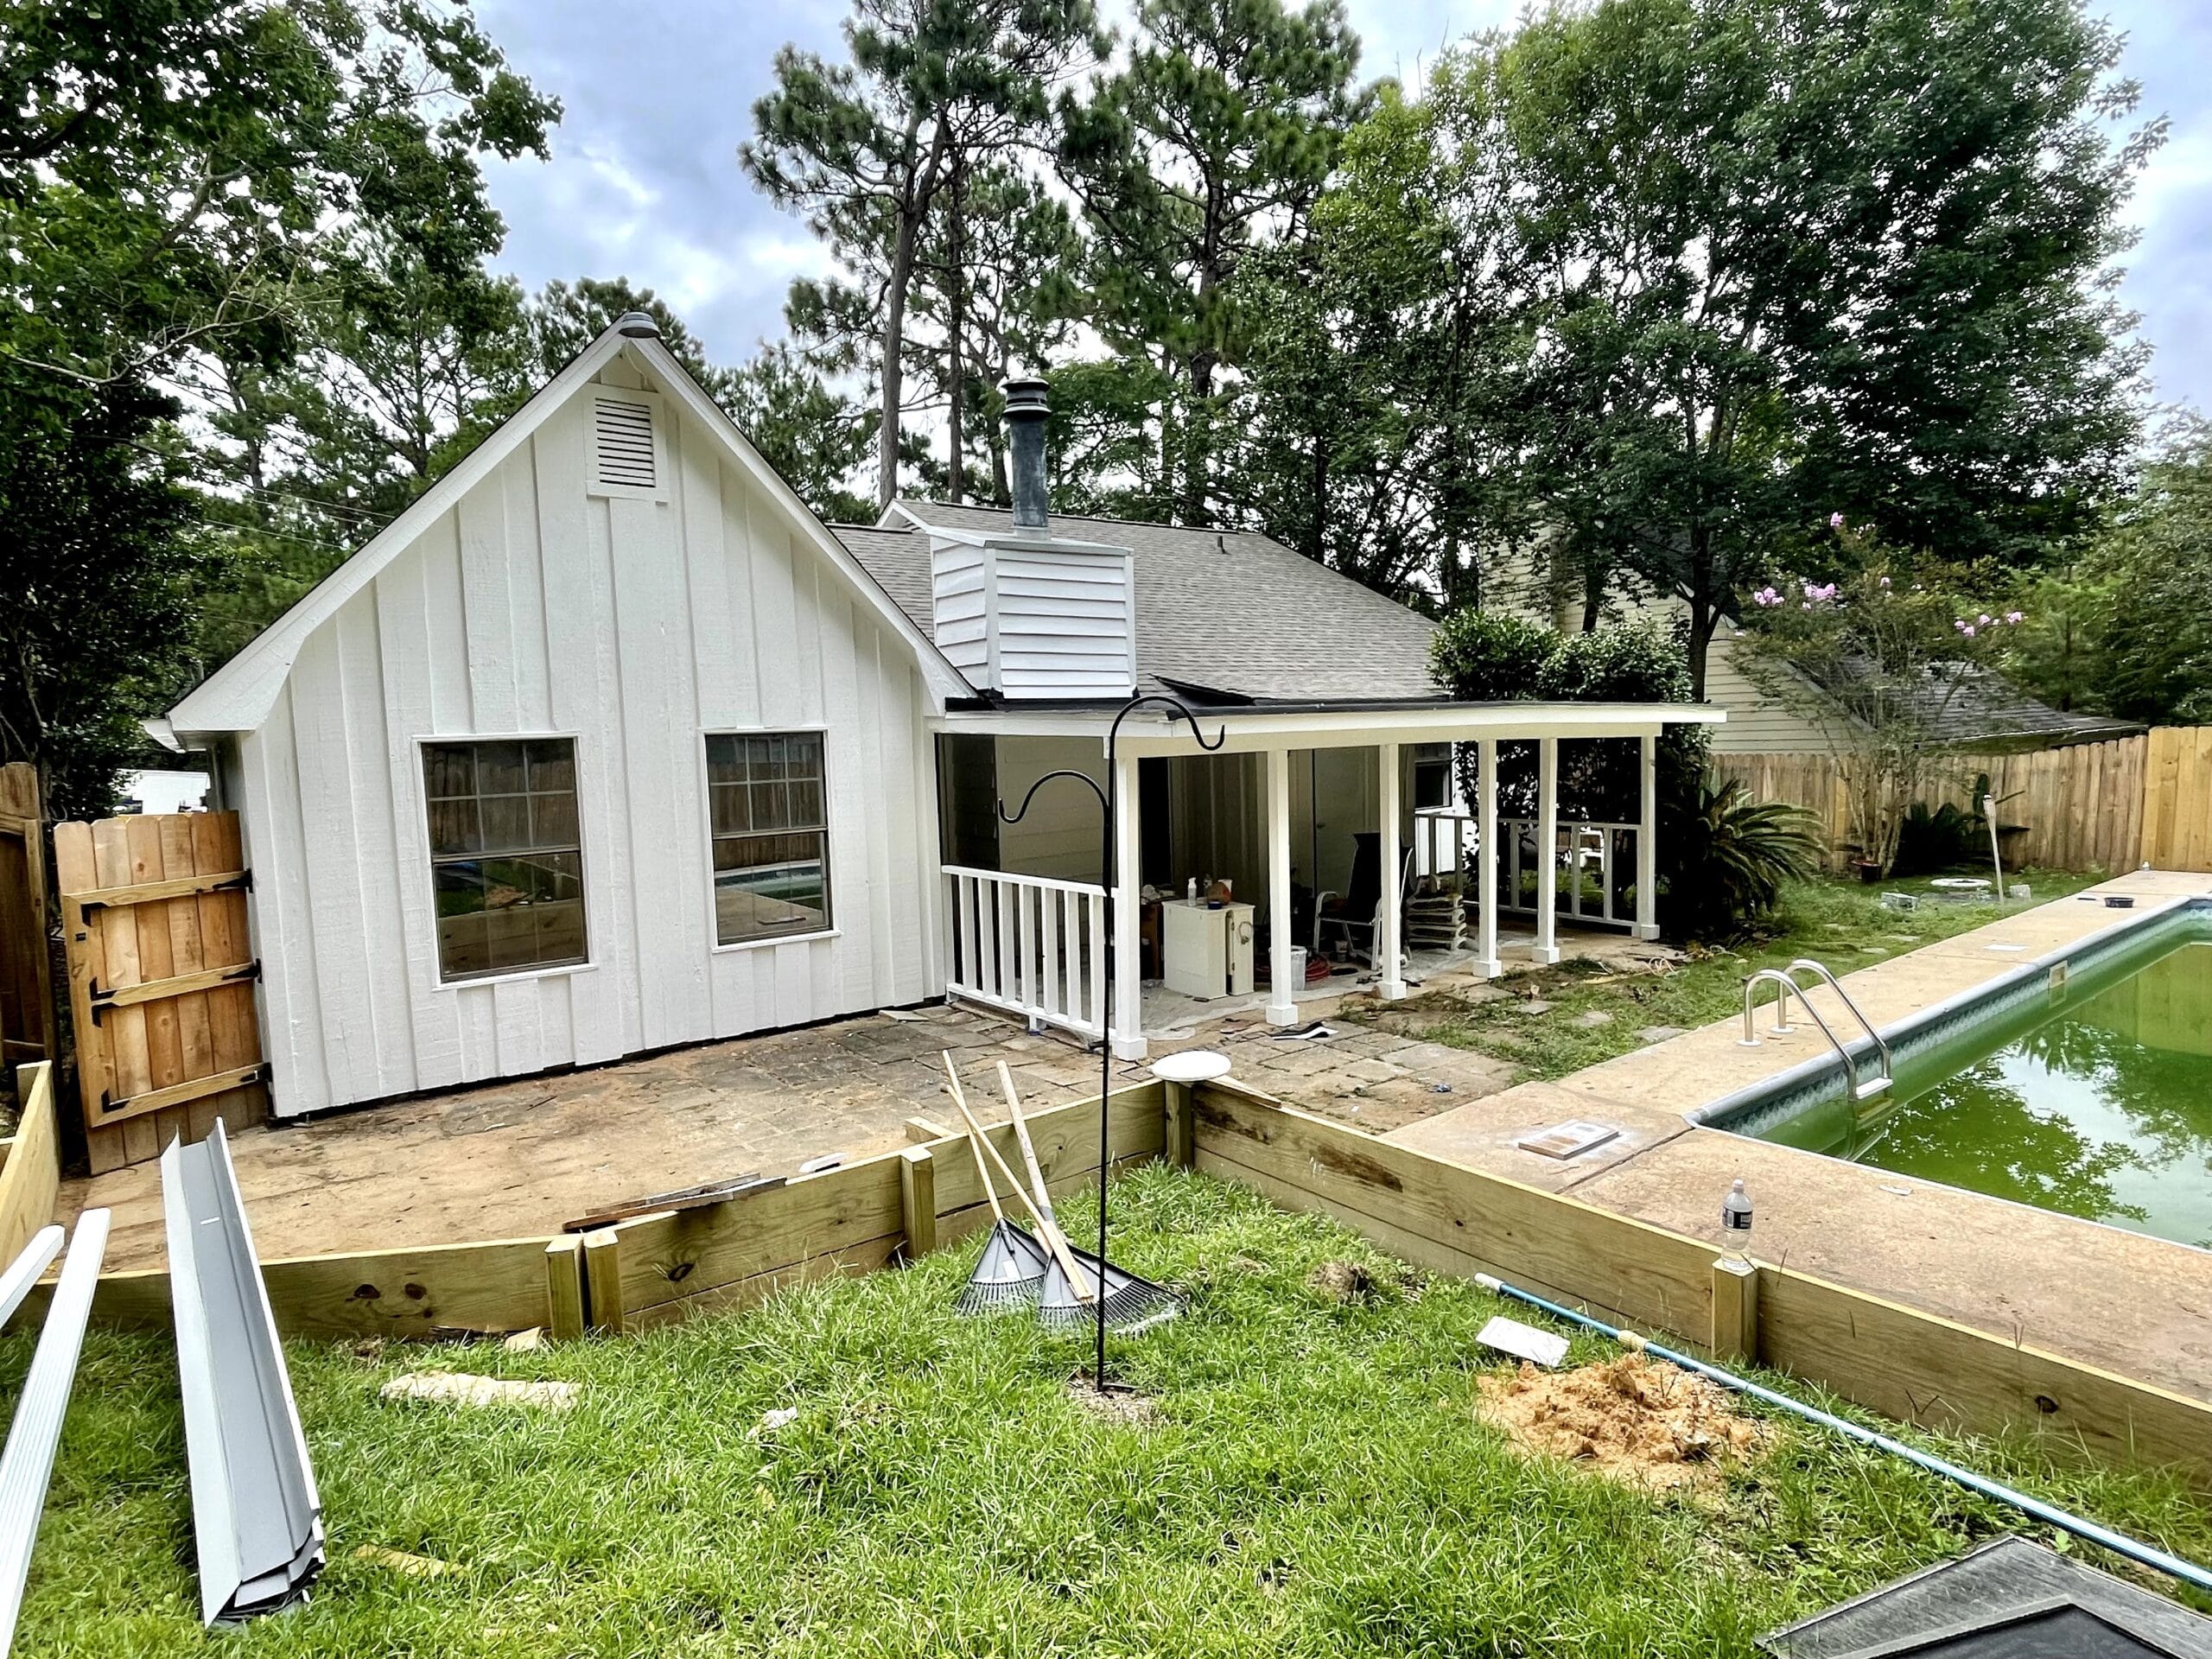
(521, 1159)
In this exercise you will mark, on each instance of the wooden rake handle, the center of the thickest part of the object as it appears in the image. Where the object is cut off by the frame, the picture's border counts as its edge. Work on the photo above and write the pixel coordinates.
(977, 1144)
(1043, 1207)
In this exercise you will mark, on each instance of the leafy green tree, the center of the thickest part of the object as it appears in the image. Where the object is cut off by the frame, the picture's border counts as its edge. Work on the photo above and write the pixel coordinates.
(187, 195)
(866, 150)
(815, 438)
(1764, 305)
(1373, 410)
(1213, 140)
(2146, 580)
(1878, 661)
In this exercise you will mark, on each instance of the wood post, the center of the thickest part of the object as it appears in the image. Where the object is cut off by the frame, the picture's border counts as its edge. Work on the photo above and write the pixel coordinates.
(921, 1130)
(1181, 1151)
(1282, 1009)
(603, 1282)
(1545, 948)
(1486, 964)
(1735, 1309)
(564, 1289)
(918, 1200)
(1646, 839)
(1389, 921)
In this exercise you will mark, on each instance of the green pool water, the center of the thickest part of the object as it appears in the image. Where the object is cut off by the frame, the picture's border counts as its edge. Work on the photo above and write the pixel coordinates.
(2099, 1106)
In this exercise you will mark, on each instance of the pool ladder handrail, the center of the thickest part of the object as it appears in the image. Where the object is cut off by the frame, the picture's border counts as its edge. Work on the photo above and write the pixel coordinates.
(1785, 983)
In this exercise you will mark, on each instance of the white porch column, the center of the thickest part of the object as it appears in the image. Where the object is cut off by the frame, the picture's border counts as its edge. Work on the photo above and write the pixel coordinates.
(1281, 1009)
(1546, 950)
(1391, 923)
(1128, 984)
(1647, 845)
(1486, 962)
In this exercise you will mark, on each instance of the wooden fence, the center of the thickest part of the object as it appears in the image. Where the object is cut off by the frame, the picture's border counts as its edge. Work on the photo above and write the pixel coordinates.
(1897, 1360)
(161, 971)
(32, 1174)
(2093, 806)
(27, 1022)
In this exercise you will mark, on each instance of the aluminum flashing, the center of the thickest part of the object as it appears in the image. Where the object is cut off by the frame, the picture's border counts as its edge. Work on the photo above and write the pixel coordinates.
(256, 1515)
(25, 1271)
(28, 1463)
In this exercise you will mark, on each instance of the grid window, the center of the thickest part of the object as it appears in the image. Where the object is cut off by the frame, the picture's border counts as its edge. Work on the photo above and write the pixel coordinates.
(506, 859)
(767, 806)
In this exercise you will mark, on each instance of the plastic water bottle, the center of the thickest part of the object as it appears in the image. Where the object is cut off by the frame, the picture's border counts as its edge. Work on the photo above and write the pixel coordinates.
(1735, 1215)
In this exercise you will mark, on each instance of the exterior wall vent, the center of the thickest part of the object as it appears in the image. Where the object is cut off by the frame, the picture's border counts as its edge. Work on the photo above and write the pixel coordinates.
(626, 444)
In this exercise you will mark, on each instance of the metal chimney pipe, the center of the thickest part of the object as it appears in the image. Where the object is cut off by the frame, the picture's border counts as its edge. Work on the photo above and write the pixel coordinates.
(1025, 421)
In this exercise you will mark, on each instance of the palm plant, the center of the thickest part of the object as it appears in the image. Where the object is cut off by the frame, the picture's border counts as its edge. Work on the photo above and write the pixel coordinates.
(1727, 856)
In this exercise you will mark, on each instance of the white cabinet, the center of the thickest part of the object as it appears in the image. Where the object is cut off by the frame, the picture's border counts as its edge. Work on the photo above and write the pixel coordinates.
(1204, 952)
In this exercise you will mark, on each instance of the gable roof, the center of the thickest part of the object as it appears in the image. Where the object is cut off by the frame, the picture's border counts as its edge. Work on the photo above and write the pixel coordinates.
(1229, 614)
(239, 696)
(1986, 707)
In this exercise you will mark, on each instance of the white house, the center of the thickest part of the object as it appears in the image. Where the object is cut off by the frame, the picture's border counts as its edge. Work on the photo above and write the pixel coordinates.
(607, 745)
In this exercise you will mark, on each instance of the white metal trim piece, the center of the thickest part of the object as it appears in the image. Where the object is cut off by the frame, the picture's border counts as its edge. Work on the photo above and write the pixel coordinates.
(25, 1271)
(28, 1463)
(257, 1517)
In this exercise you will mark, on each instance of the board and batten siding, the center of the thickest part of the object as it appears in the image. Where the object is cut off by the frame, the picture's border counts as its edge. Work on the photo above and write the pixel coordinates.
(633, 625)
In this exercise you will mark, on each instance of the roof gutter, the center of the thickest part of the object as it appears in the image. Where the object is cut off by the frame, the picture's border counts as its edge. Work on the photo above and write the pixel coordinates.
(257, 1517)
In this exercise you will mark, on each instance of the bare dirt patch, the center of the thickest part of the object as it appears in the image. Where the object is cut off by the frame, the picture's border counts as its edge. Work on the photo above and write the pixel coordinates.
(1346, 1282)
(1131, 1407)
(1643, 1424)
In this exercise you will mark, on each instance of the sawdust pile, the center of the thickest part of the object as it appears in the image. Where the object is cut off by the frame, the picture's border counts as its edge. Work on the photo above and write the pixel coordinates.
(1646, 1424)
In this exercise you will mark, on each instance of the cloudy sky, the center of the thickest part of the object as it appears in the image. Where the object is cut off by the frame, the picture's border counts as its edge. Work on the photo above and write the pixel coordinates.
(644, 183)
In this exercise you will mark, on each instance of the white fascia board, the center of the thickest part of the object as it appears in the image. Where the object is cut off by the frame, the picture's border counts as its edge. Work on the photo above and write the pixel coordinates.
(1249, 731)
(239, 696)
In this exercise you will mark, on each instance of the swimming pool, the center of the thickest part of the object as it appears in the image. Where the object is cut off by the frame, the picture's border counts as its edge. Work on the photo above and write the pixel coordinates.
(2086, 1090)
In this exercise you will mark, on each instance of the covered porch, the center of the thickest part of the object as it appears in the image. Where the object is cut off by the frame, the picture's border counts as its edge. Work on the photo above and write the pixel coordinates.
(1337, 830)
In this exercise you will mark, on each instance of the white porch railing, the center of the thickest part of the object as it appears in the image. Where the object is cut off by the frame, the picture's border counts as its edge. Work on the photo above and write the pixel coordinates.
(1599, 859)
(1030, 944)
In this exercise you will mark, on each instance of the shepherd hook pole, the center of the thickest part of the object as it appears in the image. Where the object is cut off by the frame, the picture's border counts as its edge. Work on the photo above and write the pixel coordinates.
(1108, 863)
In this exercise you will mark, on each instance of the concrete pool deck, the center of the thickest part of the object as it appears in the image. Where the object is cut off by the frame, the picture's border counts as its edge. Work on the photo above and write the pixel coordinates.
(2121, 1300)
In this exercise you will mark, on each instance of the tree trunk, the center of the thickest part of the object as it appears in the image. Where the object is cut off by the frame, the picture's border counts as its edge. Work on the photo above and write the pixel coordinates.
(1704, 616)
(894, 347)
(1197, 445)
(1593, 592)
(956, 372)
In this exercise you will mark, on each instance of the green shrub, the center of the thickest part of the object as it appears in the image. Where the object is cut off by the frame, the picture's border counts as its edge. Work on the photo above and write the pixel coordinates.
(1929, 842)
(1727, 855)
(1488, 657)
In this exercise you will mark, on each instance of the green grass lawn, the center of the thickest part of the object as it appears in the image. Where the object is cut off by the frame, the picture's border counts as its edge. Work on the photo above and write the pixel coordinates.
(1316, 1481)
(1841, 923)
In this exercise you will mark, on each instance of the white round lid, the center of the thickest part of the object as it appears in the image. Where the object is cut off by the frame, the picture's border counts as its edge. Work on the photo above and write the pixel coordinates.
(1192, 1065)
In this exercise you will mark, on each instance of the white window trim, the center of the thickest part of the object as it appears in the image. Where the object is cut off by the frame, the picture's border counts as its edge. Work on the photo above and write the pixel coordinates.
(715, 946)
(425, 866)
(653, 401)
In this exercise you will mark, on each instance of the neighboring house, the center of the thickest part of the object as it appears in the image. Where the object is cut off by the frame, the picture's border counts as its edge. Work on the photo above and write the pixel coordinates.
(1986, 715)
(606, 745)
(1992, 716)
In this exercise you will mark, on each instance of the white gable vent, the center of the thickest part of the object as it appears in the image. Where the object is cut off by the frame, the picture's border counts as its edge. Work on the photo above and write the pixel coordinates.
(625, 447)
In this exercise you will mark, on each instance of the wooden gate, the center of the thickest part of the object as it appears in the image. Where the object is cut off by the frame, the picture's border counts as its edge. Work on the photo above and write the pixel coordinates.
(161, 981)
(26, 980)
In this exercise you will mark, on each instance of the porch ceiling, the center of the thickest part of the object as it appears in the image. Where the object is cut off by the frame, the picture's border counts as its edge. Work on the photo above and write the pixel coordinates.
(1332, 726)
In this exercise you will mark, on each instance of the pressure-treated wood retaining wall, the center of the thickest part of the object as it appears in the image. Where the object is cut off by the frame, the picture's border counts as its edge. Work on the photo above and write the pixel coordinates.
(1896, 1360)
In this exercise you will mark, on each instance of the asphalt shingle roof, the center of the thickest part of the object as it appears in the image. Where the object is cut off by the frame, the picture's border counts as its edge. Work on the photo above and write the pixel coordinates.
(1231, 611)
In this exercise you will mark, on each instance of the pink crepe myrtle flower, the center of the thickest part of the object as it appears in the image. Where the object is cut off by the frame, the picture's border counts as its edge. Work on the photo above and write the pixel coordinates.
(1885, 582)
(2015, 617)
(1835, 521)
(1766, 597)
